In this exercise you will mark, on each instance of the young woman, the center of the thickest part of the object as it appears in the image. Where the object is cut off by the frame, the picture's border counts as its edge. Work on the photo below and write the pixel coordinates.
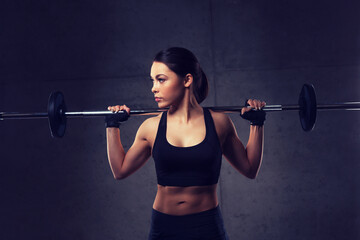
(187, 143)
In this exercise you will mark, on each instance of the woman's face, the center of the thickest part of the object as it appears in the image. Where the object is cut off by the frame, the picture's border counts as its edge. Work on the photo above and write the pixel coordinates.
(168, 87)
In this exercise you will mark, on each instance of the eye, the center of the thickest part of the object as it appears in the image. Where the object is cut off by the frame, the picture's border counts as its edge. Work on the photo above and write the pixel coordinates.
(161, 80)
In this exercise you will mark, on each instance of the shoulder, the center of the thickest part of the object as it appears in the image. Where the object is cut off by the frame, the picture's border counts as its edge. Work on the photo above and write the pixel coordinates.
(149, 126)
(221, 119)
(222, 122)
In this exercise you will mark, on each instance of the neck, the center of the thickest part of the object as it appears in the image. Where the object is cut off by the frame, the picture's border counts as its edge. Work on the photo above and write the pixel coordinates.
(186, 109)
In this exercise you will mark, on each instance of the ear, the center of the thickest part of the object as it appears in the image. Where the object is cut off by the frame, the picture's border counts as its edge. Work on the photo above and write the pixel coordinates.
(188, 80)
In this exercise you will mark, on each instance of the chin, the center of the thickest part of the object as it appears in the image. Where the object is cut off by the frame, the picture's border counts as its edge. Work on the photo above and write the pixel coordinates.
(162, 105)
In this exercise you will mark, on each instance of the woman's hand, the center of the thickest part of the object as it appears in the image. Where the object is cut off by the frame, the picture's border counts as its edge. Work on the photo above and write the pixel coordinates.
(253, 104)
(253, 112)
(118, 108)
(113, 120)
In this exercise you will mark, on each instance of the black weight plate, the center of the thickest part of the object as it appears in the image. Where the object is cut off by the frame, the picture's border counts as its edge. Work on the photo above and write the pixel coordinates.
(307, 104)
(56, 112)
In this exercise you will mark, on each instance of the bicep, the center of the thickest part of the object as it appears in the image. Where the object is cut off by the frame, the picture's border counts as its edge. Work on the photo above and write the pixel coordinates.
(234, 151)
(137, 155)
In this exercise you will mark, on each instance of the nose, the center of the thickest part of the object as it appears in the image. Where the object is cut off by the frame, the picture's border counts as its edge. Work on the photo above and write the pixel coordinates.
(154, 88)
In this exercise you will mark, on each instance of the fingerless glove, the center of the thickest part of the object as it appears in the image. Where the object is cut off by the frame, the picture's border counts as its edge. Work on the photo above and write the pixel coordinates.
(256, 117)
(113, 120)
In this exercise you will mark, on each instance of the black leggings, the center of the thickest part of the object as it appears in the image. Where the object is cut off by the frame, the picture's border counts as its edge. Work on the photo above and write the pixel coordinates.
(203, 225)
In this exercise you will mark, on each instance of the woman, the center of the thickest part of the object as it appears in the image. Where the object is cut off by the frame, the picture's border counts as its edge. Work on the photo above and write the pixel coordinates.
(187, 143)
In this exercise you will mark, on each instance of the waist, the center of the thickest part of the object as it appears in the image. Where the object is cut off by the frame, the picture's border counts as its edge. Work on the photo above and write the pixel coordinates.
(211, 211)
(185, 200)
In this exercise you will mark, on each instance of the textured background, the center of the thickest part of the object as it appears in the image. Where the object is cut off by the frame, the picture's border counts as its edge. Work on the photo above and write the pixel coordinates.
(99, 53)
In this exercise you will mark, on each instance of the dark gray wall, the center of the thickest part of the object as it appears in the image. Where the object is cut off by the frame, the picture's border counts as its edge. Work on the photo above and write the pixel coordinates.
(99, 53)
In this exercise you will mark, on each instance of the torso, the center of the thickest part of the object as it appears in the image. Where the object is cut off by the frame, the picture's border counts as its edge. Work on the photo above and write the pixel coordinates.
(175, 200)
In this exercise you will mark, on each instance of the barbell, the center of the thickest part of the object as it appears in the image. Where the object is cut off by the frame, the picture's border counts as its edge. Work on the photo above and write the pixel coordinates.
(57, 112)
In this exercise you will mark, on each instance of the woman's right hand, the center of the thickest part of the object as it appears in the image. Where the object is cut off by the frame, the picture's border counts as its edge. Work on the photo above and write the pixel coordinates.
(113, 120)
(119, 108)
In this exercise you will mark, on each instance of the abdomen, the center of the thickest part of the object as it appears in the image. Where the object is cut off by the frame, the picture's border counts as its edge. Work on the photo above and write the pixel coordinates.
(185, 200)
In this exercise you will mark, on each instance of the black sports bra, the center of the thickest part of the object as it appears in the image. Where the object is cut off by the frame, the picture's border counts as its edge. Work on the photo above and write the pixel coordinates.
(197, 165)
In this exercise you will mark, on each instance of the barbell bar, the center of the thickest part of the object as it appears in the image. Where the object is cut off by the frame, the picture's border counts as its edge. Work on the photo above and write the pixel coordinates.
(57, 112)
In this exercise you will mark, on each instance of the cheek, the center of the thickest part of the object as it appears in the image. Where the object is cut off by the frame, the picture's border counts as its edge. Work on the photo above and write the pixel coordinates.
(175, 90)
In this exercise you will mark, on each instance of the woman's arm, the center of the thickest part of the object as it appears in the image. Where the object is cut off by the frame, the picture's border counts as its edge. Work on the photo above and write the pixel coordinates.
(124, 164)
(246, 160)
(254, 149)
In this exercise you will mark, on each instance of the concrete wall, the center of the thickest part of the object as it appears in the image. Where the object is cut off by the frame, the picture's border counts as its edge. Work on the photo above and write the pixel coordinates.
(99, 53)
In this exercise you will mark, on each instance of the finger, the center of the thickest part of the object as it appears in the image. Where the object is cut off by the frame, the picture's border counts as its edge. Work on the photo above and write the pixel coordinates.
(246, 109)
(127, 110)
(254, 104)
(260, 104)
(251, 103)
(113, 108)
(123, 108)
(120, 108)
(257, 104)
(243, 110)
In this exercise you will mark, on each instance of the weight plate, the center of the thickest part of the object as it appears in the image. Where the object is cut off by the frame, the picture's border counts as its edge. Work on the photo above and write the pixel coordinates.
(307, 104)
(56, 113)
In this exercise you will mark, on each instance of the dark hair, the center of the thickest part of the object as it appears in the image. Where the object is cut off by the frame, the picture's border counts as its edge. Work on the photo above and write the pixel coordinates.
(182, 61)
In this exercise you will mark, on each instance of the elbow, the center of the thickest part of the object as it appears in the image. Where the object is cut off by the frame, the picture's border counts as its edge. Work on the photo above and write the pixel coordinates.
(253, 171)
(119, 176)
(253, 174)
(249, 174)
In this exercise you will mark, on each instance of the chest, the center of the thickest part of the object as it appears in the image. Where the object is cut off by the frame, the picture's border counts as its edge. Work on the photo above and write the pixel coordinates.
(185, 135)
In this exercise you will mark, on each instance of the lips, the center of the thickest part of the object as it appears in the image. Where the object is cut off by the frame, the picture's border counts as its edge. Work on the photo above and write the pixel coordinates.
(157, 99)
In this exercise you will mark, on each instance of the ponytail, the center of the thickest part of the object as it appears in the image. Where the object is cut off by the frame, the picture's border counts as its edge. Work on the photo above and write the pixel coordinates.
(201, 87)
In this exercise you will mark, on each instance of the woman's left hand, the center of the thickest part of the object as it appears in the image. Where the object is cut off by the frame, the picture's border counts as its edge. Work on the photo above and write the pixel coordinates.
(256, 117)
(253, 104)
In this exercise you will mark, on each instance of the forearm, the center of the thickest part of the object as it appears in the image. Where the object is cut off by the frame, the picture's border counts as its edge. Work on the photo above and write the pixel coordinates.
(254, 148)
(115, 150)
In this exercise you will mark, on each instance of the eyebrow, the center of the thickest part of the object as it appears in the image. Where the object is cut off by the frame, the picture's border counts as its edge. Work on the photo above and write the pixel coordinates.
(158, 75)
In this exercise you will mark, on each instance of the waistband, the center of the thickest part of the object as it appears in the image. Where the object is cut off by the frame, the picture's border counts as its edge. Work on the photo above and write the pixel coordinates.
(207, 224)
(212, 211)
